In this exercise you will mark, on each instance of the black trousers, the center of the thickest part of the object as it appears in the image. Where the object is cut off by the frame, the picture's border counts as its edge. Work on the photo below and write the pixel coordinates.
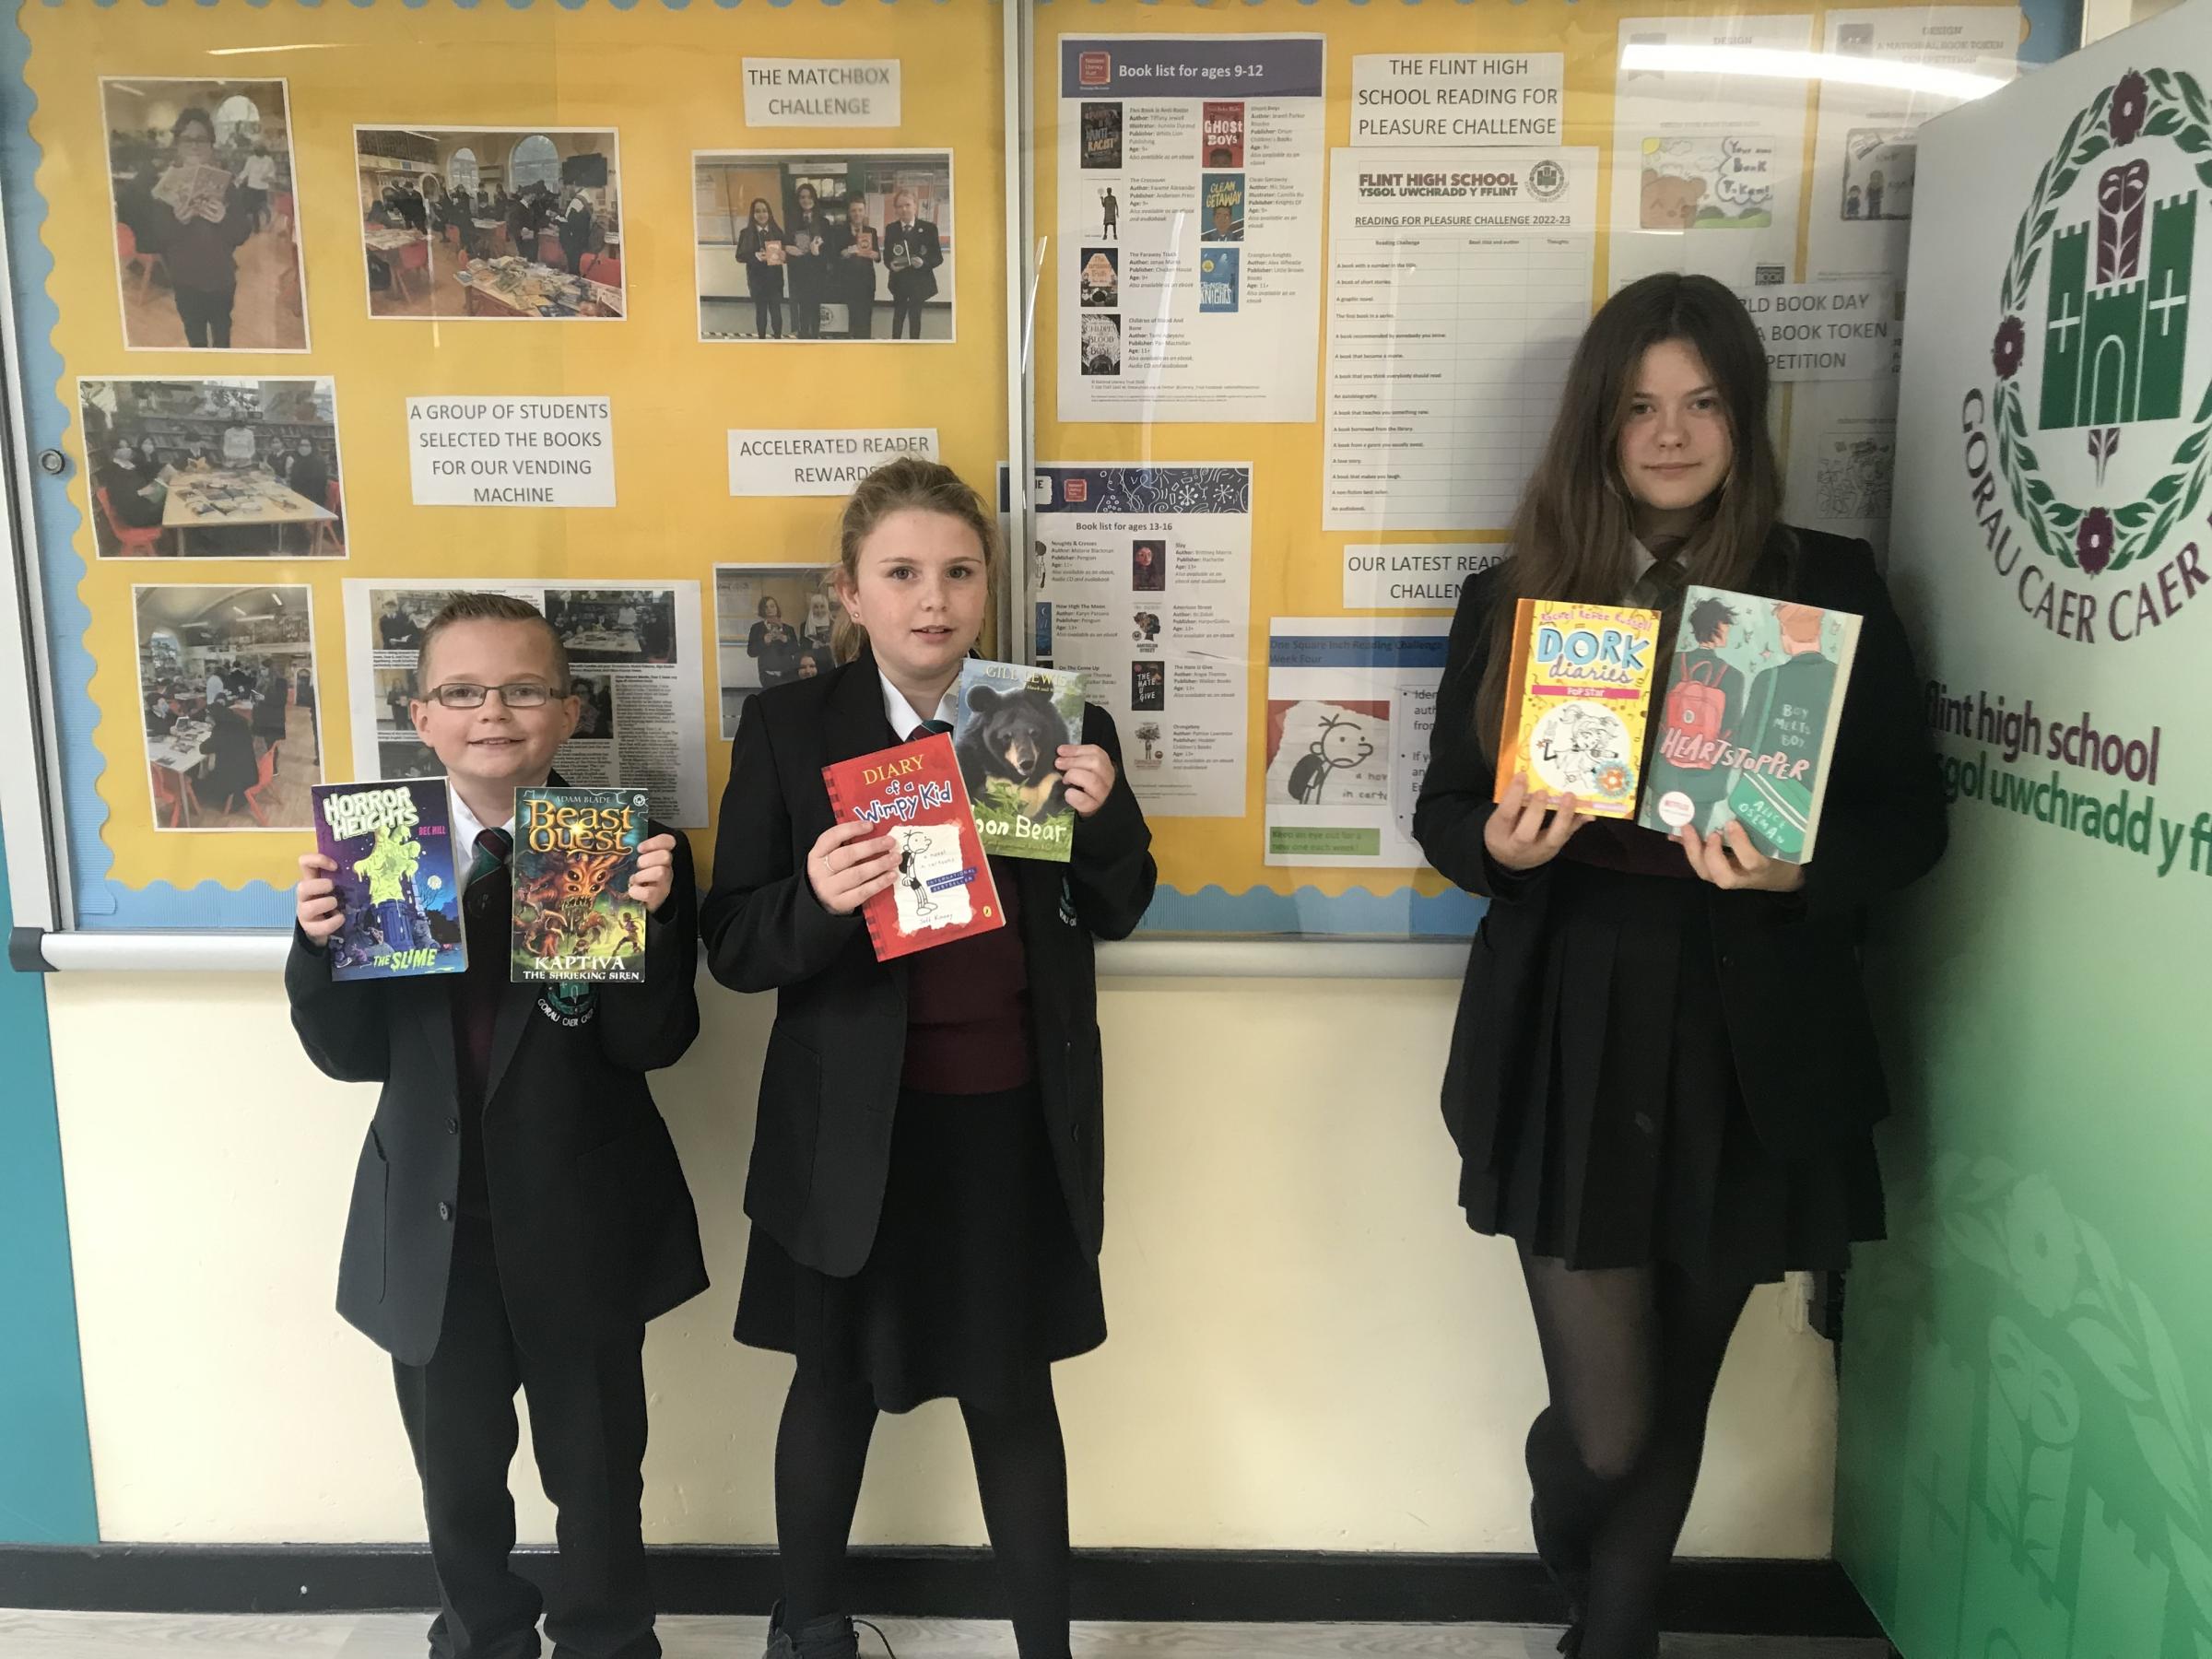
(859, 319)
(768, 319)
(906, 317)
(587, 1422)
(206, 313)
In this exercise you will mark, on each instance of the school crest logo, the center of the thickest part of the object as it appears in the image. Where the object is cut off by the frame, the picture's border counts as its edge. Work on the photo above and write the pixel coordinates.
(569, 1002)
(1548, 181)
(2096, 431)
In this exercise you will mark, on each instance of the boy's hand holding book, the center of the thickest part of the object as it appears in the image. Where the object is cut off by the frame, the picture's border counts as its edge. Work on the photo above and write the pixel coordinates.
(318, 911)
(1727, 859)
(1088, 775)
(656, 873)
(1518, 836)
(849, 864)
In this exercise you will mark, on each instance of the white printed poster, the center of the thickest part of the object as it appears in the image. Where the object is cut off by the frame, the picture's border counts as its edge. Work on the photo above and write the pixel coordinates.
(633, 666)
(1708, 149)
(1457, 98)
(1459, 283)
(1144, 579)
(1917, 64)
(1190, 207)
(511, 452)
(1350, 705)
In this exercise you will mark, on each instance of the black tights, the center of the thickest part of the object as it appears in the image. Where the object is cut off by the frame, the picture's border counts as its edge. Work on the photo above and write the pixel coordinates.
(1020, 1470)
(1631, 1355)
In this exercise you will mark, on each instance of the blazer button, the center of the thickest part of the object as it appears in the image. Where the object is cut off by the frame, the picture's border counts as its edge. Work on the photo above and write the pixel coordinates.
(453, 1125)
(445, 1210)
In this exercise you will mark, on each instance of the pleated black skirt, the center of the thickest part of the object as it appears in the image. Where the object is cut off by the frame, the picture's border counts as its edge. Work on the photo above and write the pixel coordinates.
(975, 1285)
(1632, 1145)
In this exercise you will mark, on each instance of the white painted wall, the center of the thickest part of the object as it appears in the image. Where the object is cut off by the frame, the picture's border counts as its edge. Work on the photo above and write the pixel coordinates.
(1310, 1349)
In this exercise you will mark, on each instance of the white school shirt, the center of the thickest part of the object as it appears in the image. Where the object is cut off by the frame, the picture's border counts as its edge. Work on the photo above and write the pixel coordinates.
(900, 713)
(467, 826)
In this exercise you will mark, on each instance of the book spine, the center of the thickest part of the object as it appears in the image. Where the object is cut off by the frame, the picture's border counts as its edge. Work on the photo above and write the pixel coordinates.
(1516, 695)
(1847, 653)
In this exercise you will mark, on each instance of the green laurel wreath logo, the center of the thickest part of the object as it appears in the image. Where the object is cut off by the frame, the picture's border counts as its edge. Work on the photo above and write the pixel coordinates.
(2157, 104)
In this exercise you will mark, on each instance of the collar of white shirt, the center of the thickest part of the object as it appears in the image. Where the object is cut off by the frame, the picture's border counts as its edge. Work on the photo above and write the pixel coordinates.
(900, 713)
(467, 826)
(1643, 558)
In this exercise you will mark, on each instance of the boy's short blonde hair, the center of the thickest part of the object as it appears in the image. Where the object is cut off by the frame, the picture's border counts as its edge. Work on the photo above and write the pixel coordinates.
(489, 607)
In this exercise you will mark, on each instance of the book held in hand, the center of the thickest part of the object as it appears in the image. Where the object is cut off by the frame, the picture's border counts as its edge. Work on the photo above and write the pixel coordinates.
(913, 795)
(865, 241)
(575, 855)
(396, 882)
(1747, 726)
(1012, 723)
(1576, 693)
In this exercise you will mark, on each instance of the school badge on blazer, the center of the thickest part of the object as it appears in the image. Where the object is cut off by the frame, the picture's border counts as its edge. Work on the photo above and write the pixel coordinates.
(569, 1002)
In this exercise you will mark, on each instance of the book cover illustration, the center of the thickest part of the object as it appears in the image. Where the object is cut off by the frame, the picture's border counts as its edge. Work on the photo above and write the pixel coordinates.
(1218, 279)
(1221, 127)
(913, 795)
(575, 855)
(1748, 726)
(1012, 722)
(195, 191)
(1101, 129)
(1221, 207)
(396, 883)
(1577, 690)
(865, 241)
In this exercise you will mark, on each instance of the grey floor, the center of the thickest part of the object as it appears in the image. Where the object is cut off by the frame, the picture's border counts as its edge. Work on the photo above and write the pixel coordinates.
(400, 1636)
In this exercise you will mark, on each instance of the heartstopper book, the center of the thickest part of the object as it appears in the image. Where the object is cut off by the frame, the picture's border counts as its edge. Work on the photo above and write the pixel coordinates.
(393, 844)
(575, 855)
(913, 795)
(1576, 692)
(1747, 726)
(1012, 723)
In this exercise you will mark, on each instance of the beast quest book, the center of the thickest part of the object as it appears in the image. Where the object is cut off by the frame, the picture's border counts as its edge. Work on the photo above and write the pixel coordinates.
(394, 847)
(575, 855)
(913, 795)
(1012, 723)
(1576, 694)
(1748, 726)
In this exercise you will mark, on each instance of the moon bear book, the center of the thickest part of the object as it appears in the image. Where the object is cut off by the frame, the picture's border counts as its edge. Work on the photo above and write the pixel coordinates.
(575, 855)
(1012, 723)
(394, 847)
(1748, 726)
(1576, 694)
(913, 795)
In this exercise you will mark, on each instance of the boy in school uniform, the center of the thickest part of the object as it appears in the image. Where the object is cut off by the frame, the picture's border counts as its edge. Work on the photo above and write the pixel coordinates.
(519, 1214)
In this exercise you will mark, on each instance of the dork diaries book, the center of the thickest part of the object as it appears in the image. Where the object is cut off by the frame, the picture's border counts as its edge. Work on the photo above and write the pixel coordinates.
(913, 795)
(575, 855)
(396, 885)
(1575, 699)
(1012, 723)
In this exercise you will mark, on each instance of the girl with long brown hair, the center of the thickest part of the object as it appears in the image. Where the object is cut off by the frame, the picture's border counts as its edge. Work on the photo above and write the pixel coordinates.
(1663, 1078)
(926, 1188)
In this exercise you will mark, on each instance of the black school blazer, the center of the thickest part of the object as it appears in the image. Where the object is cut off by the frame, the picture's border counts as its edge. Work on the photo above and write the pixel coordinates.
(1791, 989)
(594, 1223)
(822, 1143)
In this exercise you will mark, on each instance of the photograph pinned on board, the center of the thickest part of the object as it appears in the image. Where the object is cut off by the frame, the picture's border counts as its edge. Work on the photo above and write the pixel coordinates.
(1101, 344)
(595, 697)
(228, 468)
(812, 244)
(615, 625)
(227, 687)
(1100, 281)
(773, 623)
(497, 224)
(206, 218)
(399, 616)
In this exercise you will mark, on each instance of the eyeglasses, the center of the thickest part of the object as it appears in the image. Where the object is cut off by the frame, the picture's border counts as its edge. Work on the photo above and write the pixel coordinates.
(522, 694)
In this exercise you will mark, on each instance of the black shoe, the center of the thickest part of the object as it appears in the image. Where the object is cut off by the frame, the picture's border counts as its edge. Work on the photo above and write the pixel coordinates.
(832, 1636)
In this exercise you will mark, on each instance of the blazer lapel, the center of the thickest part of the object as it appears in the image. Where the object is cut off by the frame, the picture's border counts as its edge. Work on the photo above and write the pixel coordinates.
(853, 723)
(507, 1034)
(434, 1013)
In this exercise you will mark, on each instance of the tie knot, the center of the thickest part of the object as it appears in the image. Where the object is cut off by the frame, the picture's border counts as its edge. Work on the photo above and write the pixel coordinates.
(494, 845)
(930, 728)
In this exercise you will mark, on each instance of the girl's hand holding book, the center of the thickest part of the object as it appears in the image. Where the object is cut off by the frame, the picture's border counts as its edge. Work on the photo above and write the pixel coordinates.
(656, 873)
(849, 864)
(1727, 859)
(1527, 829)
(318, 911)
(1088, 775)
